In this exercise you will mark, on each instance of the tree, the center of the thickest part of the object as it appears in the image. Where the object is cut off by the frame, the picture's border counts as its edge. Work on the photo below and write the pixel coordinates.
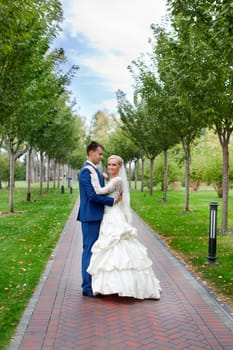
(208, 26)
(173, 54)
(151, 91)
(174, 170)
(77, 157)
(26, 30)
(121, 144)
(141, 127)
(100, 126)
(47, 95)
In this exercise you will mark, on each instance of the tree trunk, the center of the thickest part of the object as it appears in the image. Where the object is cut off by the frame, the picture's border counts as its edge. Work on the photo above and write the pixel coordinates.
(143, 174)
(13, 155)
(130, 171)
(54, 174)
(36, 166)
(152, 161)
(48, 172)
(41, 172)
(165, 175)
(29, 173)
(135, 174)
(58, 175)
(11, 193)
(225, 186)
(187, 178)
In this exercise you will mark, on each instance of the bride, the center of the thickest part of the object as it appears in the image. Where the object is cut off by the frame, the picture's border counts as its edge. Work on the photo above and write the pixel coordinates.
(119, 263)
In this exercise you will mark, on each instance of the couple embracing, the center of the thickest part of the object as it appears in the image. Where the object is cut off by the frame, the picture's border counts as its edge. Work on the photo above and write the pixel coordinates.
(113, 259)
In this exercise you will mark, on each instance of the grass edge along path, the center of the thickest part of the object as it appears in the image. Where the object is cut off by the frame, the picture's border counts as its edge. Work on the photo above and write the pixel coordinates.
(27, 238)
(187, 235)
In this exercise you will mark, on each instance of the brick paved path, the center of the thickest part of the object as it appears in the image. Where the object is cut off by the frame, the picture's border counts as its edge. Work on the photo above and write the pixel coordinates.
(58, 317)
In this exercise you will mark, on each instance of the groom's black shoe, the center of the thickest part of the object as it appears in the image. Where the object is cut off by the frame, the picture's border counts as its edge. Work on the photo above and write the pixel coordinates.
(90, 295)
(100, 296)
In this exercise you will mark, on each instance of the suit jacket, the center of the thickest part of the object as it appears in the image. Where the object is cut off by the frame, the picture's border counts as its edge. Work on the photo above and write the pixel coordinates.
(91, 204)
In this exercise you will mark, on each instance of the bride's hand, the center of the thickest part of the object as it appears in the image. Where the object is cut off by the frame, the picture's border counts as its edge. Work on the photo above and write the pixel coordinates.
(118, 197)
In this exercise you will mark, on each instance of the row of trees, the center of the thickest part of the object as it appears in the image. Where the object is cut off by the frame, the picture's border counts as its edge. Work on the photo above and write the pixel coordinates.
(36, 112)
(205, 164)
(184, 86)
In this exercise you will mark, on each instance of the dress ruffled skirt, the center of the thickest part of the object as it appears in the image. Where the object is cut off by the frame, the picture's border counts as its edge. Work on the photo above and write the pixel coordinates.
(119, 263)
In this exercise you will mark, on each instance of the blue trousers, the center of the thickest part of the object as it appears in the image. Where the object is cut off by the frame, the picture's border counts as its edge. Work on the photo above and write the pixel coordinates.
(90, 233)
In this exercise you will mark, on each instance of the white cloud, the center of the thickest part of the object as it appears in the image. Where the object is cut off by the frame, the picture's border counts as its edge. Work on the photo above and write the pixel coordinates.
(122, 24)
(118, 29)
(110, 67)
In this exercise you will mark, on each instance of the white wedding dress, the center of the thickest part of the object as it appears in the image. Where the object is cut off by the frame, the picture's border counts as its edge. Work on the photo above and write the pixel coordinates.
(119, 263)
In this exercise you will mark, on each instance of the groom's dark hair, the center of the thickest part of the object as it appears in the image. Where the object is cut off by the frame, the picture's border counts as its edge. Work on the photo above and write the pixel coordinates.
(93, 146)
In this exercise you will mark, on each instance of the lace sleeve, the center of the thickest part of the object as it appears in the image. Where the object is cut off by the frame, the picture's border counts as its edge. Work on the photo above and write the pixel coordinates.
(114, 184)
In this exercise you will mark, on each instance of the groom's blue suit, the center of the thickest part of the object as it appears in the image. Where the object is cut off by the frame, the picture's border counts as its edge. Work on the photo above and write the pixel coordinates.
(90, 214)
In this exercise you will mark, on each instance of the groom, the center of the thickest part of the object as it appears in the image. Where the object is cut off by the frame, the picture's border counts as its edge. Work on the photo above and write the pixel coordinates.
(91, 210)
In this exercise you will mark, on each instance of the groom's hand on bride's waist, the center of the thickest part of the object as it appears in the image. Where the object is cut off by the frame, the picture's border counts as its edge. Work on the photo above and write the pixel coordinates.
(117, 198)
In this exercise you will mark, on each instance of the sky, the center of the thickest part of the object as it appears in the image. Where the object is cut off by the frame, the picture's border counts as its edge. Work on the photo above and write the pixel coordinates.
(103, 37)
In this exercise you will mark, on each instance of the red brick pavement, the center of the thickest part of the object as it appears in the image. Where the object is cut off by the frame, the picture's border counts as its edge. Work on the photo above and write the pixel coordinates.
(60, 318)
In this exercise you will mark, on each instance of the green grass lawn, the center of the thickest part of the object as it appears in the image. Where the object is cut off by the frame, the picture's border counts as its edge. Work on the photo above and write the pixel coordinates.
(27, 239)
(187, 235)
